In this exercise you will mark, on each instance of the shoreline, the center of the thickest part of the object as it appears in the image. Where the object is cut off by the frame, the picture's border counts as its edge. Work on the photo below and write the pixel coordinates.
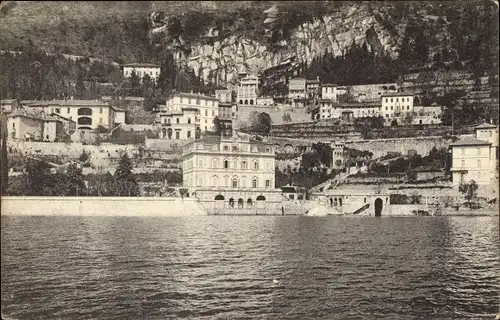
(161, 206)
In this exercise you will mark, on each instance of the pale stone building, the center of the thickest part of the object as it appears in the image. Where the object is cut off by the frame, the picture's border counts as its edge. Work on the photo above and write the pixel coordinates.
(297, 88)
(328, 109)
(229, 173)
(28, 126)
(207, 109)
(88, 114)
(475, 158)
(338, 154)
(248, 90)
(396, 105)
(141, 69)
(329, 92)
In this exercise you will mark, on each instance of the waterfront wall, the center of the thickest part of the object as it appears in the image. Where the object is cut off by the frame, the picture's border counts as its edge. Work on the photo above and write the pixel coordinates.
(101, 206)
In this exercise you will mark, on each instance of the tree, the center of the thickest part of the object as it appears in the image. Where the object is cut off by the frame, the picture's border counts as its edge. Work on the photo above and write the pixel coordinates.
(80, 86)
(124, 181)
(4, 167)
(264, 123)
(147, 84)
(134, 82)
(75, 180)
(469, 190)
(218, 125)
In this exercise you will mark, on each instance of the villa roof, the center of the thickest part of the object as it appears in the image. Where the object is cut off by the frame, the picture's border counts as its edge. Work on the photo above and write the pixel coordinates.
(191, 95)
(397, 94)
(298, 78)
(485, 125)
(69, 103)
(469, 141)
(141, 64)
(352, 104)
(329, 85)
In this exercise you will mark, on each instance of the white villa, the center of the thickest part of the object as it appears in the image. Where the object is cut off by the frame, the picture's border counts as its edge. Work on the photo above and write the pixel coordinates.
(141, 69)
(476, 158)
(227, 173)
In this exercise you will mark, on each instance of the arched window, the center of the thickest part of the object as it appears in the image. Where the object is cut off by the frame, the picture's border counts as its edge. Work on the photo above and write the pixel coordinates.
(249, 202)
(335, 203)
(246, 101)
(231, 202)
(244, 182)
(219, 197)
(340, 202)
(240, 203)
(261, 198)
(235, 164)
(254, 183)
(226, 181)
(84, 112)
(243, 164)
(256, 165)
(215, 163)
(241, 101)
(214, 181)
(235, 148)
(251, 101)
(235, 183)
(226, 164)
(164, 132)
(85, 121)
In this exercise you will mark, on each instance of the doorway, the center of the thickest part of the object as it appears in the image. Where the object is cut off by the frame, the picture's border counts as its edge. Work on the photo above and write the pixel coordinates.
(379, 203)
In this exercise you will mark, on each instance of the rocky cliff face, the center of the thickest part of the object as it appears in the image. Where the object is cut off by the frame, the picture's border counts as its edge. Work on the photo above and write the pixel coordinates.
(222, 59)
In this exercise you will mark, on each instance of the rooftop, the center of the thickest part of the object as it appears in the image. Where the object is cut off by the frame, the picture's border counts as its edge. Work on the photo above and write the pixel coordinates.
(352, 104)
(191, 95)
(485, 125)
(397, 94)
(140, 64)
(470, 142)
(329, 85)
(69, 103)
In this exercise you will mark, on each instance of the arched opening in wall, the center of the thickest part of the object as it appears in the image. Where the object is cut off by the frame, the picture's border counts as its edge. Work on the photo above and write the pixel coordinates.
(164, 133)
(249, 203)
(169, 132)
(240, 203)
(251, 101)
(335, 202)
(231, 203)
(340, 202)
(85, 121)
(261, 198)
(219, 197)
(241, 101)
(246, 101)
(84, 112)
(331, 202)
(379, 204)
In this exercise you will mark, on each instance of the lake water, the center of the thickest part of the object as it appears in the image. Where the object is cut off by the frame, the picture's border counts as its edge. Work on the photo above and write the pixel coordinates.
(221, 267)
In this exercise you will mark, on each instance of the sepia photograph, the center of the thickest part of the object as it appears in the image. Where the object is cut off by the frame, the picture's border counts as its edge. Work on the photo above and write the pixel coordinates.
(249, 160)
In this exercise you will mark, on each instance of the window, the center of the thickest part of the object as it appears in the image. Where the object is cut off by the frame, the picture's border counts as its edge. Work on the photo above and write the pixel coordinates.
(386, 108)
(198, 101)
(478, 151)
(226, 148)
(189, 134)
(254, 183)
(189, 120)
(462, 163)
(256, 165)
(226, 164)
(200, 163)
(206, 113)
(386, 100)
(100, 120)
(391, 99)
(243, 164)
(463, 151)
(189, 101)
(181, 100)
(100, 110)
(235, 148)
(268, 183)
(397, 99)
(235, 183)
(67, 110)
(13, 125)
(391, 108)
(58, 110)
(177, 120)
(479, 163)
(407, 99)
(177, 135)
(215, 163)
(205, 128)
